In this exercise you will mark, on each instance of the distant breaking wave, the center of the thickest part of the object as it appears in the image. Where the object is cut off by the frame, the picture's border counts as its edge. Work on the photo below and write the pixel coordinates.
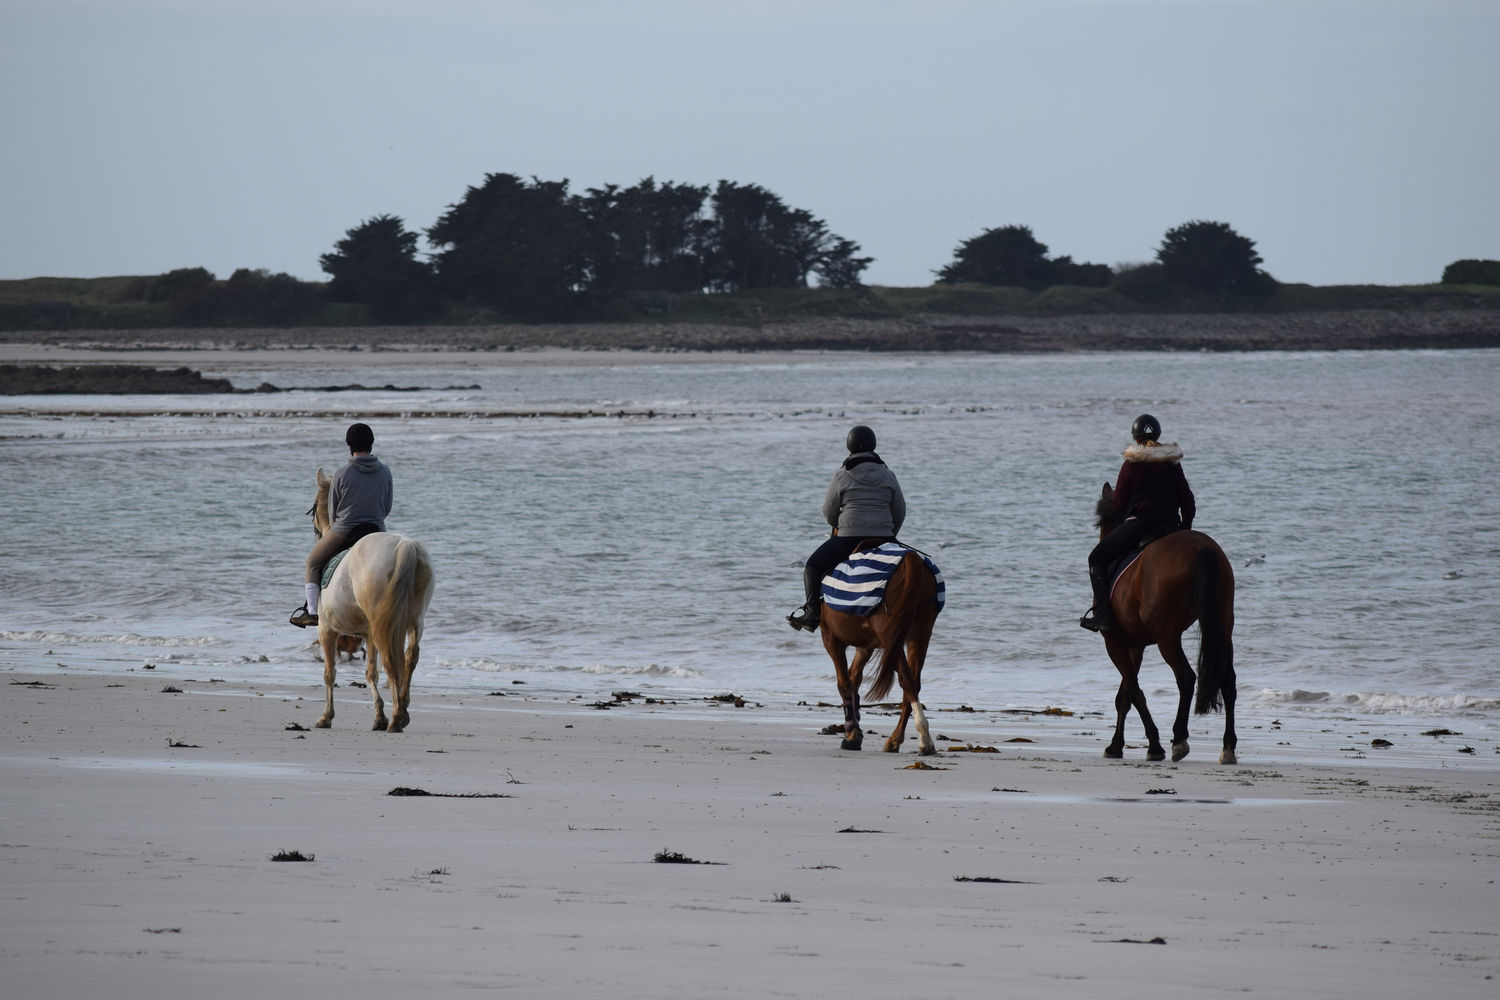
(654, 670)
(124, 639)
(1383, 703)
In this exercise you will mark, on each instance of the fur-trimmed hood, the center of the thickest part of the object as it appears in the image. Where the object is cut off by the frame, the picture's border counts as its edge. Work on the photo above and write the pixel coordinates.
(1153, 452)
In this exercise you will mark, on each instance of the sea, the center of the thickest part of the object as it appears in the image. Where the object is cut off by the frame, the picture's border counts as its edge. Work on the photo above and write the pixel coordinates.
(603, 522)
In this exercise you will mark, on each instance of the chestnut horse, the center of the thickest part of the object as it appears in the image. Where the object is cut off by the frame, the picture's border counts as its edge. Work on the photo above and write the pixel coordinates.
(900, 628)
(380, 592)
(1176, 580)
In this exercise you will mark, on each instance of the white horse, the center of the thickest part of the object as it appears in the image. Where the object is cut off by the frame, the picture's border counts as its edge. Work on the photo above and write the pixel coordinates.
(380, 592)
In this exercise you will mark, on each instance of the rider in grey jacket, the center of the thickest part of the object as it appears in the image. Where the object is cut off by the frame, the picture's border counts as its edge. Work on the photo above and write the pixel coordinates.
(864, 501)
(359, 501)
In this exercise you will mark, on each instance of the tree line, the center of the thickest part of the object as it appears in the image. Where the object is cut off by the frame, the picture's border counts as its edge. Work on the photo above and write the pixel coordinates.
(528, 249)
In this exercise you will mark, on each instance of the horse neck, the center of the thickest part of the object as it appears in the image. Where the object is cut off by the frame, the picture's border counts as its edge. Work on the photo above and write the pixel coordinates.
(321, 522)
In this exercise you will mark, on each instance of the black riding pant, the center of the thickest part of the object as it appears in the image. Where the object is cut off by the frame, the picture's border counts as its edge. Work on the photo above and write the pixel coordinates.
(826, 558)
(1123, 539)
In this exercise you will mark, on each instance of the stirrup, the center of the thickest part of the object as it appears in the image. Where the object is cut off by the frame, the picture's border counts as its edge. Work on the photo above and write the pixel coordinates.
(802, 620)
(1092, 621)
(303, 617)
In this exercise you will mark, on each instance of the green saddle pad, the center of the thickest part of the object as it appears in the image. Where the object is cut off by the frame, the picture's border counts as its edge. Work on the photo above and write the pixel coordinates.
(332, 565)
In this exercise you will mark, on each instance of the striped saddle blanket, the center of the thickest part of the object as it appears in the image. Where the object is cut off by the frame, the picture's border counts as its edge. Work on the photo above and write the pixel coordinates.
(857, 585)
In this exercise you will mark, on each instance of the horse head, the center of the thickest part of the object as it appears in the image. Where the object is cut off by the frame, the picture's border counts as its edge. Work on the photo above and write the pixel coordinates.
(1107, 517)
(319, 510)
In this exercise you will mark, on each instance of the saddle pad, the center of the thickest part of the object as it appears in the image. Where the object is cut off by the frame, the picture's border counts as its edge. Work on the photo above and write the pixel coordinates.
(857, 585)
(332, 565)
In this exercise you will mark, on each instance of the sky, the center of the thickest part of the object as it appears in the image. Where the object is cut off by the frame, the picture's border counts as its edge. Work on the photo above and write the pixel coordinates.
(1355, 141)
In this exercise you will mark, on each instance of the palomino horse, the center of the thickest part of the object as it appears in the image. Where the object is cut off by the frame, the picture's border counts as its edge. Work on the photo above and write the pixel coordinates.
(380, 591)
(1178, 579)
(900, 627)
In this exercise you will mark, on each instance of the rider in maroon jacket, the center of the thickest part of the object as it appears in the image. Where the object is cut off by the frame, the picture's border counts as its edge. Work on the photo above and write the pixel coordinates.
(1150, 491)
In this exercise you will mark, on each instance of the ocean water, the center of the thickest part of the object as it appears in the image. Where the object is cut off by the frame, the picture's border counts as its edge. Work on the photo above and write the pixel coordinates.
(604, 522)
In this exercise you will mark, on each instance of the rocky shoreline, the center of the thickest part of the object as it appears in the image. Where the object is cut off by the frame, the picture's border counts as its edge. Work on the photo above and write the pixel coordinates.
(1368, 329)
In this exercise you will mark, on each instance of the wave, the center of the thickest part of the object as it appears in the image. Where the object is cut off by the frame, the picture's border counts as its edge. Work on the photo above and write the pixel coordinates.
(652, 670)
(122, 639)
(1383, 703)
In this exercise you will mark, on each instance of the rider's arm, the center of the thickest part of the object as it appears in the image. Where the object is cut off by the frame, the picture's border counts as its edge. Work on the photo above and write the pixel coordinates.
(833, 501)
(1185, 498)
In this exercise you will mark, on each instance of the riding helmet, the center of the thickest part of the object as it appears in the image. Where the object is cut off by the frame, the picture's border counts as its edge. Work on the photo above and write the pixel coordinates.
(861, 438)
(1146, 428)
(359, 437)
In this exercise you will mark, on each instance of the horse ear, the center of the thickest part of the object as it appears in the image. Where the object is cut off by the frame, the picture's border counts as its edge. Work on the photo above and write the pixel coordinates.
(321, 478)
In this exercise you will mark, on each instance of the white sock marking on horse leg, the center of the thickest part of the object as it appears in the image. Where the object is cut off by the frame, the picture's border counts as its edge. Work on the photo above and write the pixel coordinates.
(924, 738)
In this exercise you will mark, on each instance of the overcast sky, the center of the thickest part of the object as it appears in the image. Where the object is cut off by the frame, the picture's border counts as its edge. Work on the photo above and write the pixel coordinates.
(1356, 141)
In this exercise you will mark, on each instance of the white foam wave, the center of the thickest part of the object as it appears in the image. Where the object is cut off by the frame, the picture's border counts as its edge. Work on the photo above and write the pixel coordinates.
(122, 639)
(484, 665)
(1382, 703)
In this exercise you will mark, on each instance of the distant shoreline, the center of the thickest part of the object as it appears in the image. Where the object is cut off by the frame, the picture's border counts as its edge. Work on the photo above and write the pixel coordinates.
(1360, 329)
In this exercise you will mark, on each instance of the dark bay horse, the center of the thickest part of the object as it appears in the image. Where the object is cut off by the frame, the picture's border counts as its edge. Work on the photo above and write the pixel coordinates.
(900, 628)
(1178, 579)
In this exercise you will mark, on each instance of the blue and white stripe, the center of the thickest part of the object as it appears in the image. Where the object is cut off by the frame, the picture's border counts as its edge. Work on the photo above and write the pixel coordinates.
(857, 585)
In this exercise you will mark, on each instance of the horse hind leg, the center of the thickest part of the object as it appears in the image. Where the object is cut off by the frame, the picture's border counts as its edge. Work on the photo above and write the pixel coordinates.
(372, 680)
(910, 676)
(413, 653)
(1172, 652)
(399, 683)
(329, 642)
(1231, 741)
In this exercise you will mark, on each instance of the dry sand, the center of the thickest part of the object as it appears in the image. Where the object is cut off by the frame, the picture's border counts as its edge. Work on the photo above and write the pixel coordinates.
(139, 827)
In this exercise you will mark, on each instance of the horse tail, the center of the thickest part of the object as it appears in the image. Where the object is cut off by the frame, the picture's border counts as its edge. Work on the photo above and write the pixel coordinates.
(1215, 649)
(392, 615)
(903, 596)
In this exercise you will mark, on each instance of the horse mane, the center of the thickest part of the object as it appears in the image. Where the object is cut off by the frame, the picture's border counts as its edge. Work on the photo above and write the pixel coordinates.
(1106, 514)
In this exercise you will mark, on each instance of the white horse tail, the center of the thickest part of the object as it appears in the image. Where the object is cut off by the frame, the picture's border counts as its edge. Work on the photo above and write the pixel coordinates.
(397, 606)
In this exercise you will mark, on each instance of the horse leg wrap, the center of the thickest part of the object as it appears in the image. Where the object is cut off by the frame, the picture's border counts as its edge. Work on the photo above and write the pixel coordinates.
(851, 715)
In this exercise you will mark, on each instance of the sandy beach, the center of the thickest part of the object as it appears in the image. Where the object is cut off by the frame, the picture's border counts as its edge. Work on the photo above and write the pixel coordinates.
(143, 814)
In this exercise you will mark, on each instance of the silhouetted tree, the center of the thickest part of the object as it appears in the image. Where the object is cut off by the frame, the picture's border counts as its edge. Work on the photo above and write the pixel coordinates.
(839, 267)
(1211, 257)
(376, 263)
(1472, 272)
(761, 242)
(517, 245)
(1066, 272)
(1009, 255)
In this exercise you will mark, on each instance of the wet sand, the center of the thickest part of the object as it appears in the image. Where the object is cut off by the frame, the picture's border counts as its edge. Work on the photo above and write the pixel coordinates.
(141, 825)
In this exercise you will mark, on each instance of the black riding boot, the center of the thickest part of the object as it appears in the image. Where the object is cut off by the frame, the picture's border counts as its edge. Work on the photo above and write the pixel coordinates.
(1099, 618)
(806, 617)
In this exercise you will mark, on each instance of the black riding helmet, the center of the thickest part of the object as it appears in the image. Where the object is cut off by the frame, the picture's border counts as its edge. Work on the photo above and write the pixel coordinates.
(861, 438)
(359, 437)
(1146, 428)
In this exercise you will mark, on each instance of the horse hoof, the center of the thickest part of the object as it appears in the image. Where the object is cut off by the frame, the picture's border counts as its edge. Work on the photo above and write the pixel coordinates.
(1179, 751)
(1157, 753)
(1113, 753)
(323, 724)
(928, 752)
(850, 744)
(378, 726)
(1228, 757)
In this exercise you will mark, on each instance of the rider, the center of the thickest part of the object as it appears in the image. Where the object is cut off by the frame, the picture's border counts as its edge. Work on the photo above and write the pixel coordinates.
(863, 501)
(1150, 491)
(359, 501)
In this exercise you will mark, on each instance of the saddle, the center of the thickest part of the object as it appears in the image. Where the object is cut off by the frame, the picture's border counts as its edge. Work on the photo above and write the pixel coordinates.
(1121, 564)
(857, 585)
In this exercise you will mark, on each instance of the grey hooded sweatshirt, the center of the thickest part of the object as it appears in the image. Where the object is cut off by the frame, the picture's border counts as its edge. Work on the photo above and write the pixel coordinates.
(864, 500)
(360, 494)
